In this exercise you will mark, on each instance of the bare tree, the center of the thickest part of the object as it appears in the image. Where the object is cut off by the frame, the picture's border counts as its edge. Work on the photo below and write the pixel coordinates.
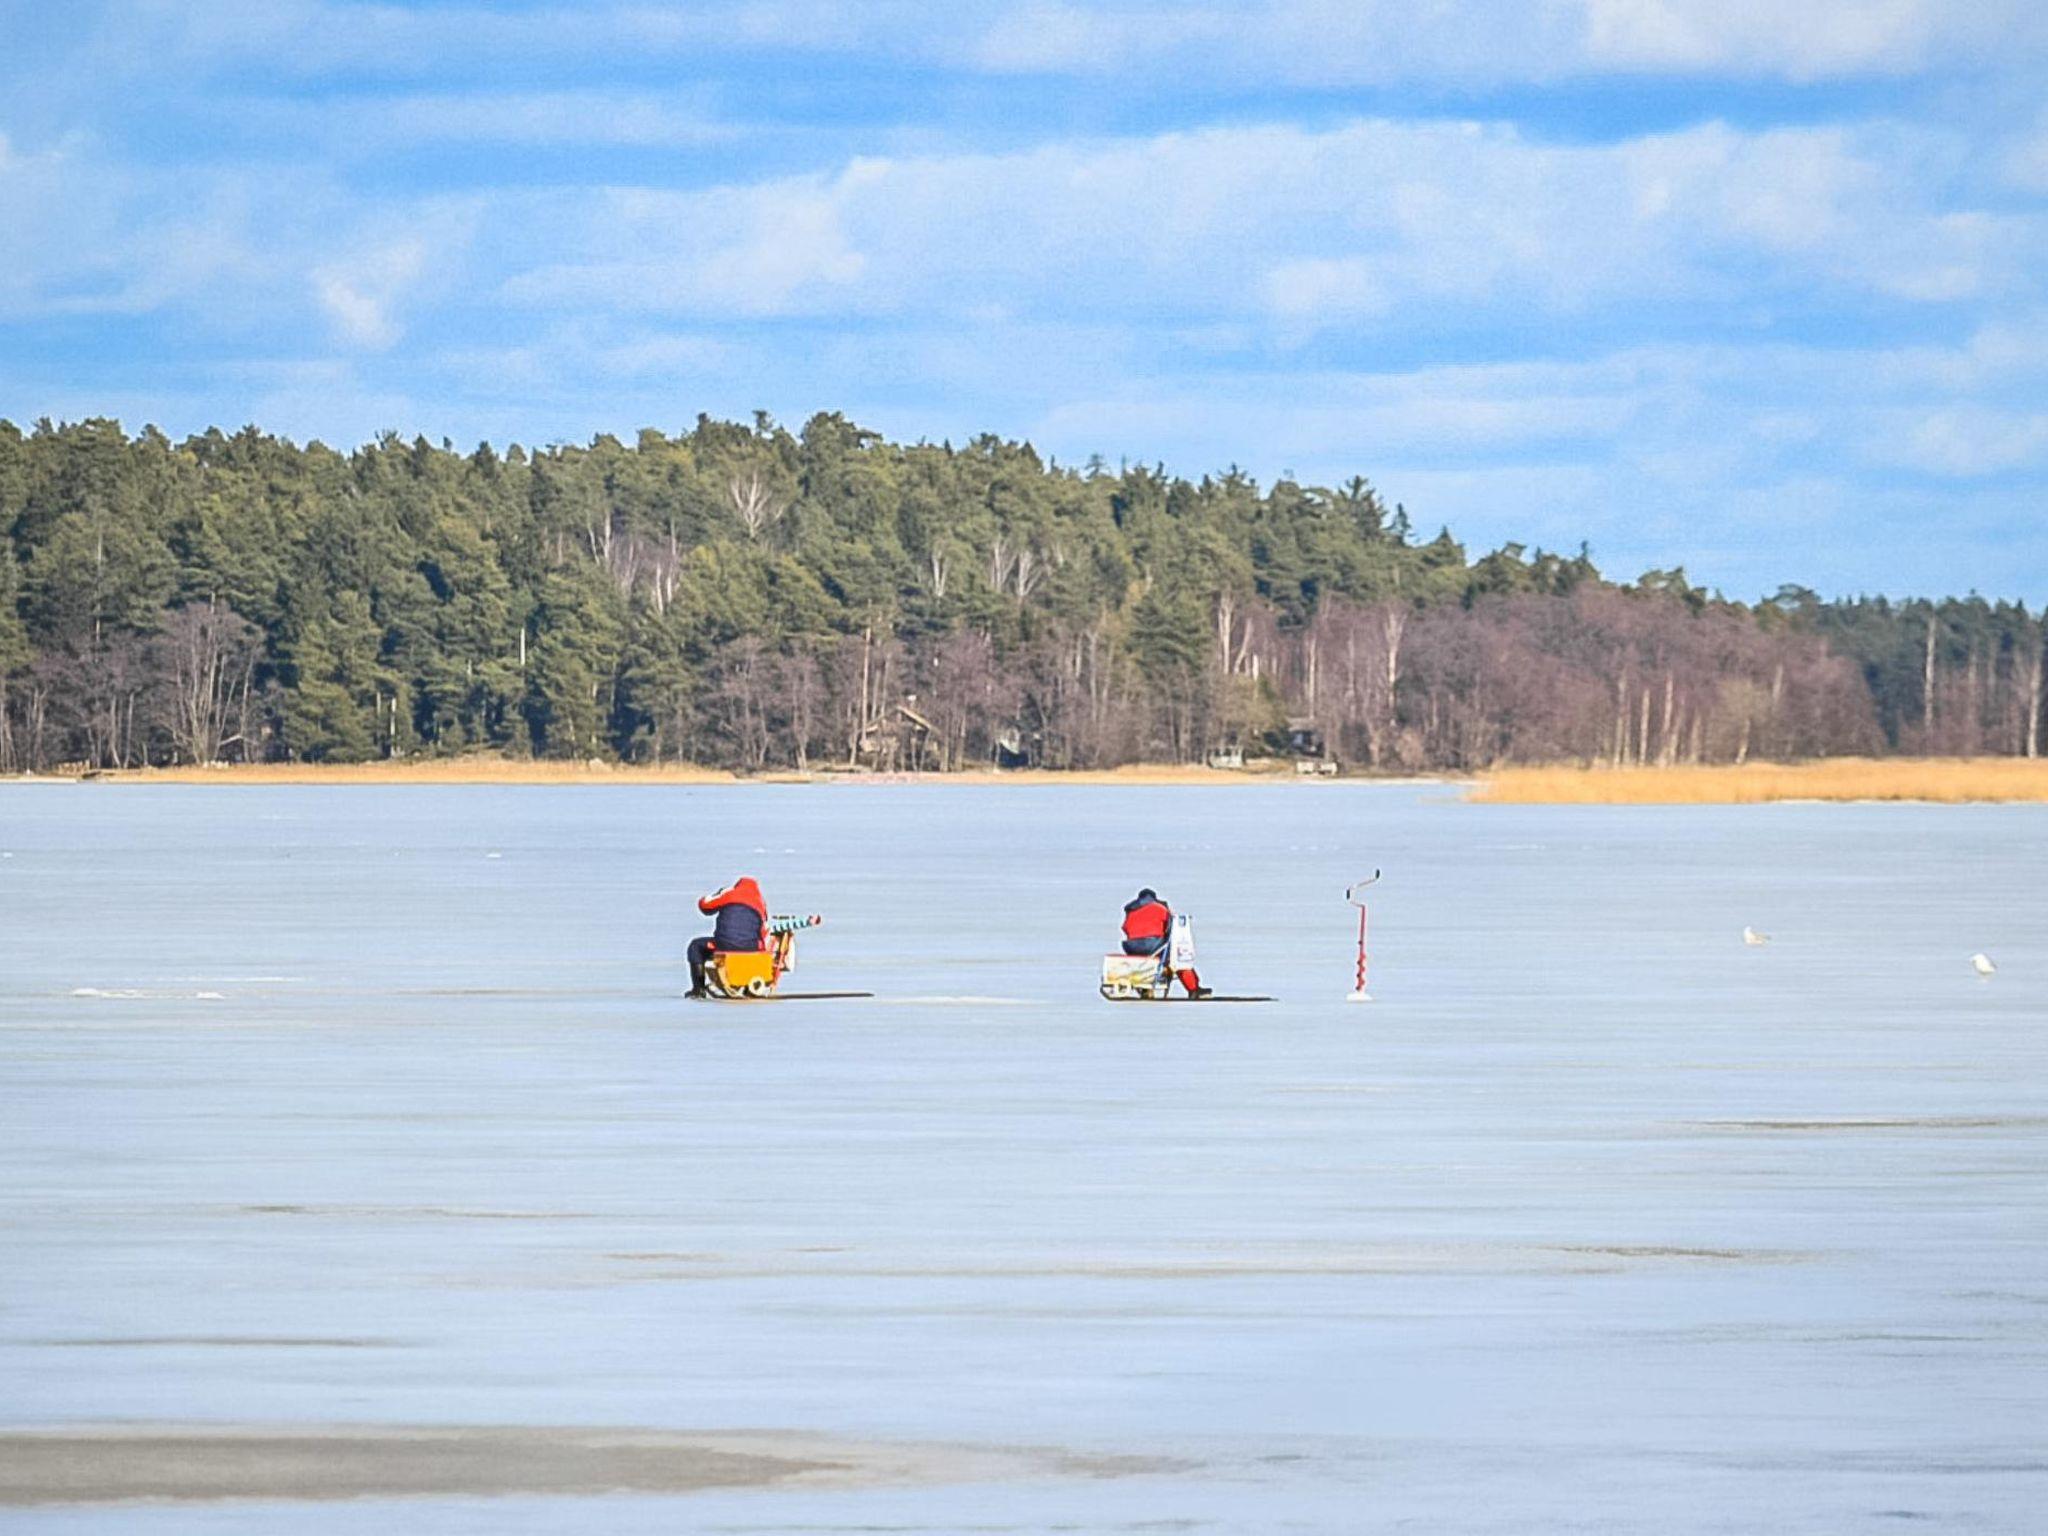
(2030, 685)
(965, 695)
(757, 507)
(804, 695)
(1002, 560)
(1031, 571)
(1393, 625)
(208, 656)
(743, 685)
(1927, 685)
(93, 692)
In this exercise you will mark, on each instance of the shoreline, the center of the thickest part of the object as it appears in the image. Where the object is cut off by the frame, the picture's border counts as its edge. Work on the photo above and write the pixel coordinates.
(486, 770)
(1930, 781)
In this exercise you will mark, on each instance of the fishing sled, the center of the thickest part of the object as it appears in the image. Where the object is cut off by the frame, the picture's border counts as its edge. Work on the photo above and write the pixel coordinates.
(1150, 978)
(755, 975)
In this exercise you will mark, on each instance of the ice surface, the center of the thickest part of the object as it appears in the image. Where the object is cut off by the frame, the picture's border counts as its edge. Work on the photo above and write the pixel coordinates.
(1595, 1219)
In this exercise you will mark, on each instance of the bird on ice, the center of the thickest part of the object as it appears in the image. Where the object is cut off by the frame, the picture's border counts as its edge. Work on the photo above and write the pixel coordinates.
(1982, 965)
(1754, 939)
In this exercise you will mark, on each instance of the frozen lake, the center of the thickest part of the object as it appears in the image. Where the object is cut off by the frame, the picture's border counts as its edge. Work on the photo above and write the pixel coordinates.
(379, 1106)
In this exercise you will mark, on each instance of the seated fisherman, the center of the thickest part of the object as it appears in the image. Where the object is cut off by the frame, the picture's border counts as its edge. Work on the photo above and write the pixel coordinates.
(741, 924)
(1148, 924)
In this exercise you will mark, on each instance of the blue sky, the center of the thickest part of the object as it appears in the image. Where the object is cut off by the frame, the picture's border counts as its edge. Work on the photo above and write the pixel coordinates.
(1749, 286)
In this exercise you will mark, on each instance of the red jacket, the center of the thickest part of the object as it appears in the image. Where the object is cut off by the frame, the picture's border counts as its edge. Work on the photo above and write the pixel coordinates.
(1147, 920)
(742, 916)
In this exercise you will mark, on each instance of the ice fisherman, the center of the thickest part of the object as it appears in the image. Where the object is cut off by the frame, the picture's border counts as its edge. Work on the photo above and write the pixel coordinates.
(740, 923)
(1148, 925)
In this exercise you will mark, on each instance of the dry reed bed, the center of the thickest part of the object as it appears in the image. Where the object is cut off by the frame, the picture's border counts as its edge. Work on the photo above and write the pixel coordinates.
(1948, 781)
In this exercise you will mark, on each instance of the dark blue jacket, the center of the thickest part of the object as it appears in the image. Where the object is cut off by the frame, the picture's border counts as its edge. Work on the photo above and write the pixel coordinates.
(737, 928)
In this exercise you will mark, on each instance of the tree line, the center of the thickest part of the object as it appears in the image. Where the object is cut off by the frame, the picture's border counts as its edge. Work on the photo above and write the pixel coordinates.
(748, 596)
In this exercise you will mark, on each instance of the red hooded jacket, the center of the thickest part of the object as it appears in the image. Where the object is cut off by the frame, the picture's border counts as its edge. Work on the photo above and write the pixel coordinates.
(742, 916)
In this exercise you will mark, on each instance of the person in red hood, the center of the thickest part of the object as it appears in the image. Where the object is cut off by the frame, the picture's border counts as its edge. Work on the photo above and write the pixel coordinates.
(740, 923)
(1148, 922)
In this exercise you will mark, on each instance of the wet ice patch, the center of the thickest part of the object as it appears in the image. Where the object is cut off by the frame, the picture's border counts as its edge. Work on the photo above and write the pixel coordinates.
(1879, 1123)
(1385, 1260)
(412, 1212)
(147, 995)
(296, 1463)
(217, 1341)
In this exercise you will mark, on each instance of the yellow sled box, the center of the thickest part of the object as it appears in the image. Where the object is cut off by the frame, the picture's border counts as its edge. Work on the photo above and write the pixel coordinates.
(745, 970)
(1132, 976)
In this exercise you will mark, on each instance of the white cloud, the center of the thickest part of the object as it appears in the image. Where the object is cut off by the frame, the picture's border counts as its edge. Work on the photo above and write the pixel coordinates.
(227, 250)
(1322, 287)
(1811, 37)
(1303, 229)
(665, 354)
(1050, 36)
(393, 263)
(774, 248)
(1801, 40)
(1259, 238)
(787, 245)
(1964, 441)
(361, 294)
(1684, 423)
(81, 234)
(1383, 41)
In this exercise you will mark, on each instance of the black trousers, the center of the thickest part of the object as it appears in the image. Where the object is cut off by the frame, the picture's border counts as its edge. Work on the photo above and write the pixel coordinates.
(700, 952)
